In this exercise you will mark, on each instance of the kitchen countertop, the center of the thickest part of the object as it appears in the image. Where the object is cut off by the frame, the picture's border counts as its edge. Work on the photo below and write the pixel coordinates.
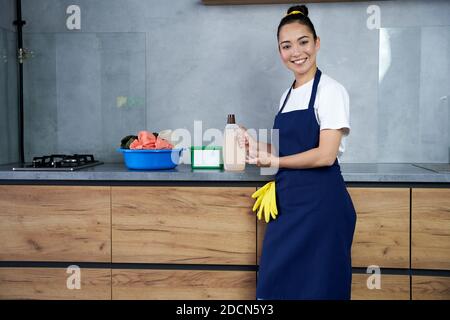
(352, 172)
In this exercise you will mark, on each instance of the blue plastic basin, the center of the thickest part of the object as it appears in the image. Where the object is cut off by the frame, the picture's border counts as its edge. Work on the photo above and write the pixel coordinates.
(151, 159)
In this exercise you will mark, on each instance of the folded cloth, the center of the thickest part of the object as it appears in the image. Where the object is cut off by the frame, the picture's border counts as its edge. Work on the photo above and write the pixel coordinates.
(147, 141)
(163, 144)
(135, 145)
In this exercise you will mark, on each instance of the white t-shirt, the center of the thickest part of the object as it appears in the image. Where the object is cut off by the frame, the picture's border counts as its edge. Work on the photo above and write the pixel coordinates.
(331, 106)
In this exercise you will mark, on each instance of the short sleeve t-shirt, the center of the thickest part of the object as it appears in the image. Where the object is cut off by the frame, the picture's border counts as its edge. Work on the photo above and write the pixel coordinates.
(331, 106)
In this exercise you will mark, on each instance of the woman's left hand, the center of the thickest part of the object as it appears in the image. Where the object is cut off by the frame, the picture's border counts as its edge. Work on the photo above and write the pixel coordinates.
(263, 159)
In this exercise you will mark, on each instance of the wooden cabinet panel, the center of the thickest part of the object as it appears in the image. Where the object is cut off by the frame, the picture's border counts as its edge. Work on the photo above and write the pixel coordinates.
(183, 284)
(213, 225)
(51, 283)
(261, 231)
(430, 229)
(430, 288)
(392, 287)
(382, 228)
(55, 223)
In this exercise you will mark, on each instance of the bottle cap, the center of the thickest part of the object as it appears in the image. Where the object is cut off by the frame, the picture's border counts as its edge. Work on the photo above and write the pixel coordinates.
(231, 119)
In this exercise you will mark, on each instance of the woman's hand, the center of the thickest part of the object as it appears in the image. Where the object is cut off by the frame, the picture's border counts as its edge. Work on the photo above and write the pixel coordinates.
(243, 137)
(263, 159)
(245, 140)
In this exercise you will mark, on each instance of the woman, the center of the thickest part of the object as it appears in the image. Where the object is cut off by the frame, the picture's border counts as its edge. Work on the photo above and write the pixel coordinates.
(306, 250)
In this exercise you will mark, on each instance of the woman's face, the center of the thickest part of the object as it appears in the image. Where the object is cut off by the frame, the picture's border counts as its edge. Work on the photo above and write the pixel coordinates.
(297, 48)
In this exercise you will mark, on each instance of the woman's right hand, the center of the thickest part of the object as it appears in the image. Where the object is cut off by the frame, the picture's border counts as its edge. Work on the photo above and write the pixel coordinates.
(245, 140)
(243, 137)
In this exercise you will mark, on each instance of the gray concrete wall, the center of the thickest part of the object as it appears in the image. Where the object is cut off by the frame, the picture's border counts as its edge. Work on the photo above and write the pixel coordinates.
(7, 14)
(164, 64)
(9, 144)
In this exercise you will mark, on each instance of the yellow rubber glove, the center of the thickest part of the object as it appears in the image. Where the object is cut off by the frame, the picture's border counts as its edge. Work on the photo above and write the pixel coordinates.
(266, 202)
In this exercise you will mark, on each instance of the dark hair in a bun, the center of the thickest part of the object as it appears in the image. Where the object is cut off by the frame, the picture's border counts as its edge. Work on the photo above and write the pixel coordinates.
(297, 14)
(303, 9)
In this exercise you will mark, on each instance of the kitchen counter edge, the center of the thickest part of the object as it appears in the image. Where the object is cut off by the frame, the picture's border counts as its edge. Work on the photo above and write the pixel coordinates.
(110, 172)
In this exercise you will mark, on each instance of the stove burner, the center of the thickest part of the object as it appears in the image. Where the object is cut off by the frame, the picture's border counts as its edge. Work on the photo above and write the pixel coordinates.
(61, 162)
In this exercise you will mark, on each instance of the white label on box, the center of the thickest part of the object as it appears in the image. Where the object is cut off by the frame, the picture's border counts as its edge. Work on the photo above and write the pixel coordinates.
(209, 158)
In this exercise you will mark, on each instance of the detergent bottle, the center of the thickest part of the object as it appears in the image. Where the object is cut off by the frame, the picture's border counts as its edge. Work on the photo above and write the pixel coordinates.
(233, 154)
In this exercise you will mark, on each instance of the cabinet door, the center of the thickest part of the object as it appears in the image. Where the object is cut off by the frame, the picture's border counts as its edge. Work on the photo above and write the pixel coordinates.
(431, 229)
(392, 287)
(430, 288)
(382, 227)
(210, 225)
(183, 284)
(51, 283)
(55, 223)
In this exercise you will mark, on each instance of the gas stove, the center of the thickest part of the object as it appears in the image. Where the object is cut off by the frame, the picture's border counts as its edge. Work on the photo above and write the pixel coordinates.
(59, 162)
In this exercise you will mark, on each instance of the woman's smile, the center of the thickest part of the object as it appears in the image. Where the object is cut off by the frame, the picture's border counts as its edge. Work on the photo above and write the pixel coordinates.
(299, 61)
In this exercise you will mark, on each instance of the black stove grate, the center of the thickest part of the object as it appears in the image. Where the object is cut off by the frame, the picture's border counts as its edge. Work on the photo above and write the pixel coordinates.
(60, 162)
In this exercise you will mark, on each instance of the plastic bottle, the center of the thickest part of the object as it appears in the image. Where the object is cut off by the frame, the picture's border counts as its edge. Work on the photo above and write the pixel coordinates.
(233, 155)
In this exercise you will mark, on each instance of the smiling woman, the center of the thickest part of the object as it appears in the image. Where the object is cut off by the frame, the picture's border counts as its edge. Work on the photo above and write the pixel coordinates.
(306, 250)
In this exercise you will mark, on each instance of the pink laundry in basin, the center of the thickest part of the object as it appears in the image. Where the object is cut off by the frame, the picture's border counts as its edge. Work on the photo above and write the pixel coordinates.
(147, 141)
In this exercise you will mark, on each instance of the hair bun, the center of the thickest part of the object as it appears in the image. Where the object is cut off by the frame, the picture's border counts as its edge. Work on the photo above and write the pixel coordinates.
(303, 9)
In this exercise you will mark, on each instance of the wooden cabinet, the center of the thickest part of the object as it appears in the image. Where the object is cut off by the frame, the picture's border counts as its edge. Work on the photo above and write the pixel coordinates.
(430, 229)
(183, 284)
(200, 225)
(430, 288)
(55, 223)
(392, 287)
(51, 283)
(382, 227)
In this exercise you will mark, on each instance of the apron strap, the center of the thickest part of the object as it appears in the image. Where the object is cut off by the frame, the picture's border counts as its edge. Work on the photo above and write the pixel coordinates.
(287, 98)
(312, 99)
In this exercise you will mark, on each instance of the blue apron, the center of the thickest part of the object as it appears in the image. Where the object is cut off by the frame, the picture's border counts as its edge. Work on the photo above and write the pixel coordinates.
(307, 250)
